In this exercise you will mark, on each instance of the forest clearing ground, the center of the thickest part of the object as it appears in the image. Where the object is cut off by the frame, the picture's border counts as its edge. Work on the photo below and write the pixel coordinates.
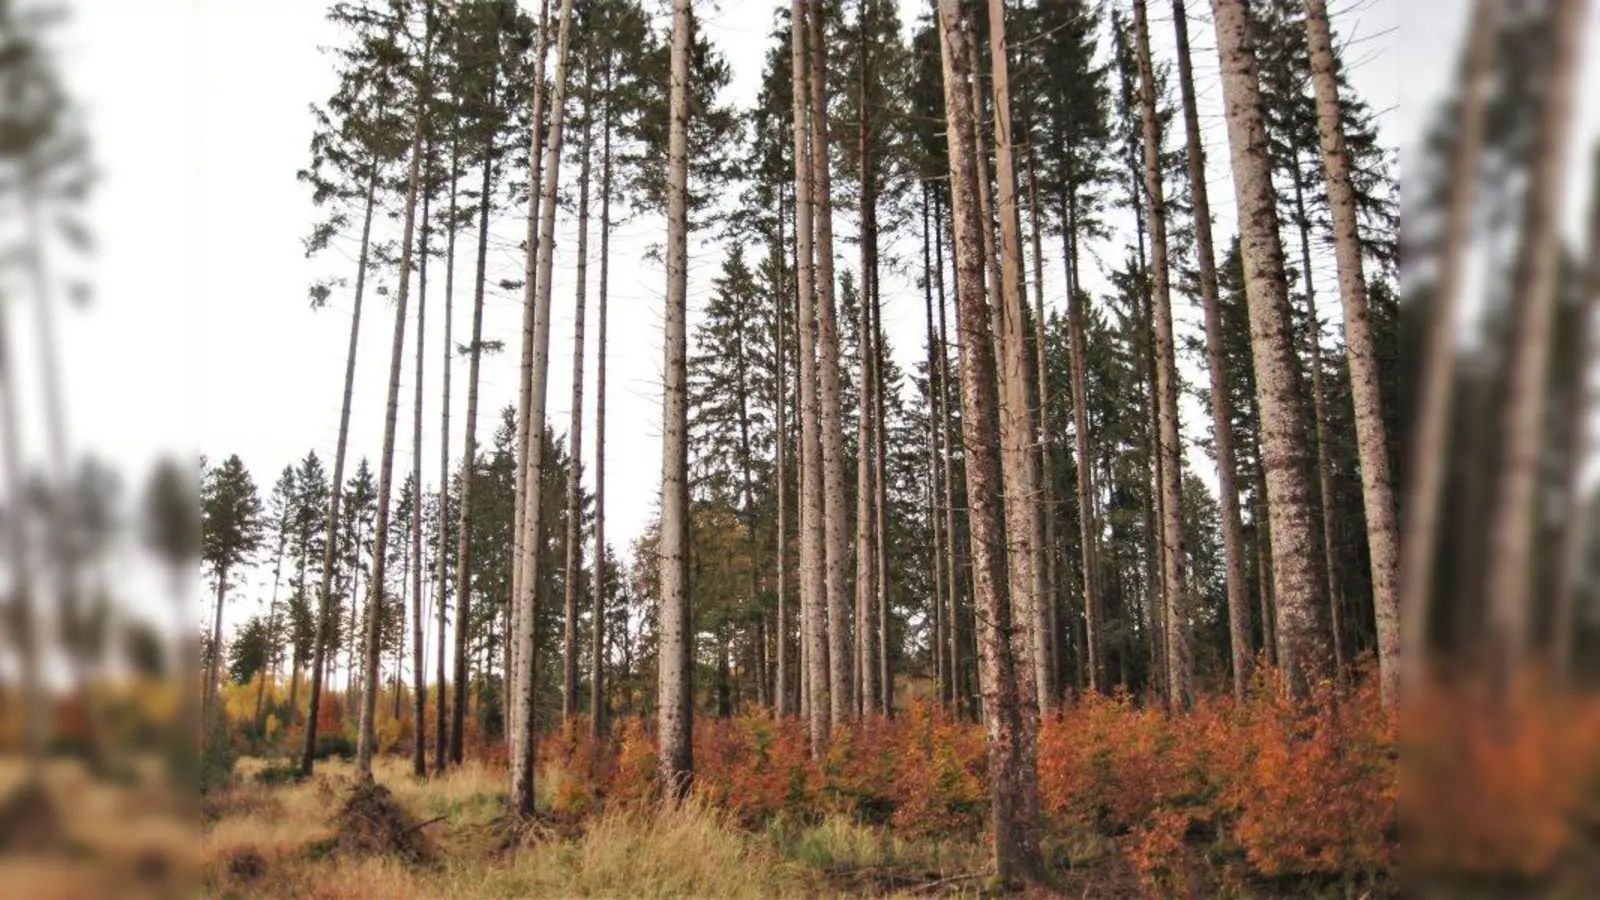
(271, 840)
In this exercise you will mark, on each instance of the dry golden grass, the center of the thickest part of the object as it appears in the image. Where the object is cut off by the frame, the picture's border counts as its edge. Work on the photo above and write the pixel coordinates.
(262, 845)
(117, 840)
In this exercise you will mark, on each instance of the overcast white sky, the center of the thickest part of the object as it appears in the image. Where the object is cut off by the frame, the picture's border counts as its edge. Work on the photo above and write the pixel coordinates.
(199, 116)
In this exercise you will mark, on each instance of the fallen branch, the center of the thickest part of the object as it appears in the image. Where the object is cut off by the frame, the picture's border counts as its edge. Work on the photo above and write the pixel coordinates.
(931, 885)
(422, 824)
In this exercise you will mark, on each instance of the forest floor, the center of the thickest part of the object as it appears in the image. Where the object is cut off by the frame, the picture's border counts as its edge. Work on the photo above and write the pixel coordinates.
(282, 840)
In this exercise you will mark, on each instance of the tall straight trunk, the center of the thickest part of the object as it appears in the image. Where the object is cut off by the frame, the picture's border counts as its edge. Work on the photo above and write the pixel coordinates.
(1017, 377)
(273, 660)
(24, 624)
(1048, 558)
(1319, 431)
(1221, 402)
(1569, 555)
(1425, 473)
(574, 562)
(208, 705)
(597, 697)
(835, 540)
(1512, 514)
(1298, 582)
(1176, 627)
(530, 278)
(813, 580)
(469, 466)
(1088, 529)
(1383, 542)
(366, 741)
(442, 551)
(866, 493)
(941, 669)
(419, 686)
(675, 723)
(880, 519)
(781, 543)
(1011, 723)
(526, 603)
(320, 650)
(866, 559)
(954, 571)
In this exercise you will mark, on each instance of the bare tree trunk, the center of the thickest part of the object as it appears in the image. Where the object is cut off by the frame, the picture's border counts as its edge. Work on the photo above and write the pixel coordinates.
(469, 466)
(1298, 582)
(1176, 628)
(1569, 556)
(419, 687)
(676, 710)
(813, 581)
(1425, 473)
(1048, 558)
(597, 697)
(442, 575)
(320, 651)
(1011, 720)
(866, 559)
(24, 614)
(1017, 430)
(1511, 519)
(1088, 529)
(954, 571)
(836, 547)
(881, 504)
(1383, 542)
(1319, 431)
(273, 659)
(526, 603)
(574, 562)
(941, 538)
(781, 402)
(530, 278)
(1239, 628)
(366, 742)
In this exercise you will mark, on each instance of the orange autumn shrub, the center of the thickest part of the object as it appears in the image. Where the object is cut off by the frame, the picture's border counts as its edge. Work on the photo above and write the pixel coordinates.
(754, 766)
(857, 773)
(579, 766)
(940, 781)
(636, 781)
(1314, 787)
(1500, 784)
(1300, 790)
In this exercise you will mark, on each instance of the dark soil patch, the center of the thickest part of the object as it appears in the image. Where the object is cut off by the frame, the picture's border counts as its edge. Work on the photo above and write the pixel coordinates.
(246, 865)
(372, 823)
(31, 823)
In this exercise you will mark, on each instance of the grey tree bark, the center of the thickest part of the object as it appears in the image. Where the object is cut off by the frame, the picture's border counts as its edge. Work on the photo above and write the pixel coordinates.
(526, 603)
(1383, 540)
(1299, 585)
(320, 649)
(1176, 627)
(469, 455)
(1512, 511)
(366, 739)
(419, 684)
(813, 581)
(574, 561)
(1239, 629)
(1011, 721)
(835, 525)
(1017, 432)
(442, 551)
(1425, 474)
(675, 708)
